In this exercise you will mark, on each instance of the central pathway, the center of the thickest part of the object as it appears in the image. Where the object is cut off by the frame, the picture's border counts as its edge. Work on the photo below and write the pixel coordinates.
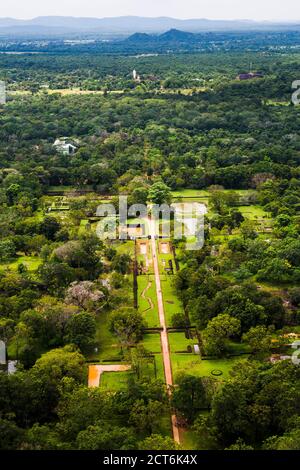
(162, 319)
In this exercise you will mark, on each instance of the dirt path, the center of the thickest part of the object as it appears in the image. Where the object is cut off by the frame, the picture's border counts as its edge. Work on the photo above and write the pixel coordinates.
(95, 372)
(149, 300)
(164, 333)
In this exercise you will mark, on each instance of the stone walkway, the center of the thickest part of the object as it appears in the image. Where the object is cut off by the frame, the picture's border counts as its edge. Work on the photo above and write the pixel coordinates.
(164, 333)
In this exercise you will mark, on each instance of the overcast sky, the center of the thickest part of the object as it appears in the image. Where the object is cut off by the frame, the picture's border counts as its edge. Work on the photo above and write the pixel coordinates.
(216, 9)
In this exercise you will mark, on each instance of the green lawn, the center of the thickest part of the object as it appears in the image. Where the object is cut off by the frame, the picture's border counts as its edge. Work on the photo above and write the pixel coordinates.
(106, 342)
(114, 381)
(178, 342)
(190, 193)
(253, 212)
(151, 343)
(171, 302)
(124, 247)
(82, 228)
(160, 372)
(194, 365)
(31, 262)
(201, 193)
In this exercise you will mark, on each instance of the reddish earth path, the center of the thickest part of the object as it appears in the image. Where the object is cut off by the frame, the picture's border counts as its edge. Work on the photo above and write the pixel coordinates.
(95, 373)
(164, 333)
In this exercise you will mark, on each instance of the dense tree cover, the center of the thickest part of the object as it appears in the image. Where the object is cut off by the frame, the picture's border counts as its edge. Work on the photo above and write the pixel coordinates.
(60, 302)
(127, 325)
(192, 395)
(50, 407)
(256, 408)
(229, 283)
(271, 38)
(195, 127)
(257, 404)
(218, 330)
(225, 134)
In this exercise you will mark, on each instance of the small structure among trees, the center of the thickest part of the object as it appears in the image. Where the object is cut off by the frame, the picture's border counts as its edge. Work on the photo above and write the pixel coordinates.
(65, 146)
(250, 75)
(3, 360)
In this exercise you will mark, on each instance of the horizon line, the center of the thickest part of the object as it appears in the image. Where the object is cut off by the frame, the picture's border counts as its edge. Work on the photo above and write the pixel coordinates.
(293, 21)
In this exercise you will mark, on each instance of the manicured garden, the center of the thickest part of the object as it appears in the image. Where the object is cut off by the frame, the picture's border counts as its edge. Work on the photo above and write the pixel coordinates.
(114, 381)
(171, 302)
(108, 348)
(147, 300)
(151, 342)
(179, 343)
(194, 365)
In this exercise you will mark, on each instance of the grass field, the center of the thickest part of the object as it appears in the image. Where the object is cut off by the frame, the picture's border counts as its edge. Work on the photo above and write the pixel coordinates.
(204, 193)
(160, 373)
(107, 343)
(150, 314)
(114, 381)
(190, 193)
(31, 262)
(194, 365)
(171, 302)
(124, 247)
(253, 212)
(82, 227)
(151, 343)
(178, 342)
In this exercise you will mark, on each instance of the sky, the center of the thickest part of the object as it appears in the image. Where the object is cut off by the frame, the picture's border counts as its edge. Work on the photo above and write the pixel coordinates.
(213, 9)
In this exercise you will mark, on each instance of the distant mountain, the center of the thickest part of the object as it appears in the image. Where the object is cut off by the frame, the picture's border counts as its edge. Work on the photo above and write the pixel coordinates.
(4, 22)
(174, 35)
(126, 25)
(140, 38)
(171, 36)
(31, 31)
